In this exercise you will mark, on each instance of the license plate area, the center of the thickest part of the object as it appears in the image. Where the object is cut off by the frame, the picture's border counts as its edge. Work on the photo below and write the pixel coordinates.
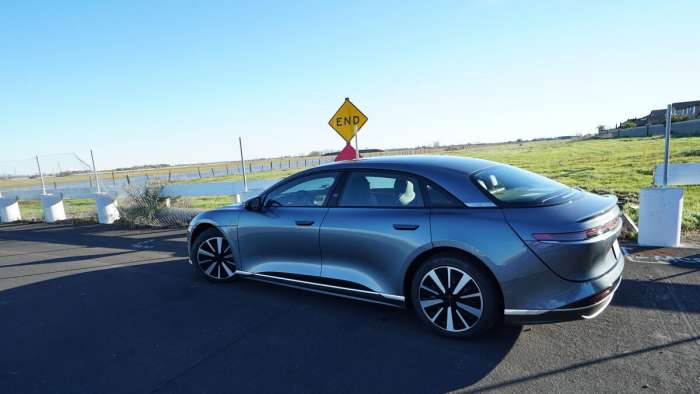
(617, 252)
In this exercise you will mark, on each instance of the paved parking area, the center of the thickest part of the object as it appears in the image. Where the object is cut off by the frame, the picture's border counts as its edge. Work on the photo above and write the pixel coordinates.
(98, 309)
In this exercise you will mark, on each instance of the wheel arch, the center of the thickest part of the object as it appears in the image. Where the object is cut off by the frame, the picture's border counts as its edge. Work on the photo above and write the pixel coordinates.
(423, 257)
(201, 227)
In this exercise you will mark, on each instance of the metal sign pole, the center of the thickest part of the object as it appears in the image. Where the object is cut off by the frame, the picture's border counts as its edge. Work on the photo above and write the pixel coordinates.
(41, 175)
(245, 182)
(357, 147)
(669, 118)
(94, 171)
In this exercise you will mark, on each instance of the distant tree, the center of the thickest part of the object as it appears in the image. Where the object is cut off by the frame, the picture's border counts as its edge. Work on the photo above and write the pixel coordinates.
(600, 128)
(436, 144)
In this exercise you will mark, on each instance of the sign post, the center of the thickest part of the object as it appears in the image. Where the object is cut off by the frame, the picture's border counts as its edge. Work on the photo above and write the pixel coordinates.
(347, 122)
(669, 119)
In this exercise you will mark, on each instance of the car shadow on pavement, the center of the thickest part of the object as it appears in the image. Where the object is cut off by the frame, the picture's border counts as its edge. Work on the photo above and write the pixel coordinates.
(158, 327)
(661, 295)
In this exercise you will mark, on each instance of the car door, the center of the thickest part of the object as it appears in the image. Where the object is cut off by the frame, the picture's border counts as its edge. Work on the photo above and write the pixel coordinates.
(377, 226)
(283, 236)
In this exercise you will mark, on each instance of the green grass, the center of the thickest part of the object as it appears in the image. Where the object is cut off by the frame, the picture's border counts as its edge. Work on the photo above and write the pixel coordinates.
(620, 166)
(202, 202)
(75, 208)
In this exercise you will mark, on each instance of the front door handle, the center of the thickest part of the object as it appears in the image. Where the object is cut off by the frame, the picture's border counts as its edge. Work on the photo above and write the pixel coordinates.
(304, 222)
(409, 227)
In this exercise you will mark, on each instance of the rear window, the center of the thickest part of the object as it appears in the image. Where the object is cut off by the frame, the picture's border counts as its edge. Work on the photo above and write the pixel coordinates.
(513, 186)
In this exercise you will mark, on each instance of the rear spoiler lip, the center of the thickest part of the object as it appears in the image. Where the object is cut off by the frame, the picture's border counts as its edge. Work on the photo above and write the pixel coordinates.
(600, 213)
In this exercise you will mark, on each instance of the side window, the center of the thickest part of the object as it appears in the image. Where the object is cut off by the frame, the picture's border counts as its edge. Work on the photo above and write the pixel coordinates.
(370, 189)
(309, 191)
(438, 198)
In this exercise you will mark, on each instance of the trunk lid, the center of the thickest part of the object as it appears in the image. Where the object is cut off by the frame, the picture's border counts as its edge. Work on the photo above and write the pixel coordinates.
(574, 239)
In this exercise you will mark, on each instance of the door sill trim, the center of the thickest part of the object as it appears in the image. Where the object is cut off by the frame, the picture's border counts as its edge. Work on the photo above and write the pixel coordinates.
(363, 295)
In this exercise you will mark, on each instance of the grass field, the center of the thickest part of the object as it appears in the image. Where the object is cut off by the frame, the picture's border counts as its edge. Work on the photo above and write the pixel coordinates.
(75, 208)
(620, 166)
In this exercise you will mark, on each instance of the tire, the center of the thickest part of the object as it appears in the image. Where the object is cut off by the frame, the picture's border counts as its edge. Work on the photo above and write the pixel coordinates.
(212, 256)
(466, 308)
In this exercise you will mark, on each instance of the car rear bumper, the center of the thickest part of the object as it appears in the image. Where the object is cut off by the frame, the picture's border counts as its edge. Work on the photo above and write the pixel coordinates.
(587, 308)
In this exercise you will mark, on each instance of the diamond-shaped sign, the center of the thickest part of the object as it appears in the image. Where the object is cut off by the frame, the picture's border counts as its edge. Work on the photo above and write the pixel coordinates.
(347, 120)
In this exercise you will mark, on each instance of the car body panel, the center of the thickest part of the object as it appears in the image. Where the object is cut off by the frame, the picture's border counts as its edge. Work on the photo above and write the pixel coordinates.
(361, 245)
(272, 240)
(586, 259)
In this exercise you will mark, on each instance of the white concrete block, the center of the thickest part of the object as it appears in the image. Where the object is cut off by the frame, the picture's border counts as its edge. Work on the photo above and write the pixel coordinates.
(106, 204)
(660, 216)
(52, 205)
(9, 210)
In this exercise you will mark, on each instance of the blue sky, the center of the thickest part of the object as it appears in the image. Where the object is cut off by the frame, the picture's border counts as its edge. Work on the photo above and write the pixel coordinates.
(178, 81)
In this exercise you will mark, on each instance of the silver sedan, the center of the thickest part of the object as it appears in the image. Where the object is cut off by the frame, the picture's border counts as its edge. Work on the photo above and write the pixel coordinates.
(465, 243)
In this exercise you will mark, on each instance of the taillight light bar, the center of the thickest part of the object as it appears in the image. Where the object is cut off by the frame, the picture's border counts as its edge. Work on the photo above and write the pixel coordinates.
(578, 235)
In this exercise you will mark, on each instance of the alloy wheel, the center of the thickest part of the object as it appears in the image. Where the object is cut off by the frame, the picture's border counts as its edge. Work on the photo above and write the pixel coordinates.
(450, 298)
(215, 258)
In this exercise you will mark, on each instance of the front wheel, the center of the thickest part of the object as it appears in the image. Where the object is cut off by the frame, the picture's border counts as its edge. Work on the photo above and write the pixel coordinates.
(455, 297)
(212, 256)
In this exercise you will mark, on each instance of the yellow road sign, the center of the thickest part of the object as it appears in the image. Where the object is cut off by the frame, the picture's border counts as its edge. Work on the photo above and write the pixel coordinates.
(347, 120)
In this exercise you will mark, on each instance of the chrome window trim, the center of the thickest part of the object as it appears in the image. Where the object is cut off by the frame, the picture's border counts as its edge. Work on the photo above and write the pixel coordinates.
(480, 204)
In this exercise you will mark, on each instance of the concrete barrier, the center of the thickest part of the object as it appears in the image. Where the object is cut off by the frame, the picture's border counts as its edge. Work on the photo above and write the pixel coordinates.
(660, 216)
(106, 204)
(52, 205)
(9, 209)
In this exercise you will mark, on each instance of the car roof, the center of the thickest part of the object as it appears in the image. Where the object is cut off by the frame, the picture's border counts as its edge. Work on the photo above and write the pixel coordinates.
(466, 165)
(450, 172)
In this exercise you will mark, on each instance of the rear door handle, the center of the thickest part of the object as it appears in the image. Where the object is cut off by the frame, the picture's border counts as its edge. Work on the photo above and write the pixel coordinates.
(408, 227)
(304, 222)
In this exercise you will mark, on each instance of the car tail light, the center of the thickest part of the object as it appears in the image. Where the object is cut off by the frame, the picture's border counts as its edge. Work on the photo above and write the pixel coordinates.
(578, 235)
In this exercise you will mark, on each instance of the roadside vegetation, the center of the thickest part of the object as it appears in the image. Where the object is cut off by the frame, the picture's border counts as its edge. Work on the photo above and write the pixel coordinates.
(621, 166)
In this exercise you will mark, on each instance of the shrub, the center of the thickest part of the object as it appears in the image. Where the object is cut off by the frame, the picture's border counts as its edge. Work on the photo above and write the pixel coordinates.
(144, 206)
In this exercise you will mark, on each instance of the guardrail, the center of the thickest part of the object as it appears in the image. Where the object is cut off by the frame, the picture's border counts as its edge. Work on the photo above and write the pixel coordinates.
(106, 203)
(678, 174)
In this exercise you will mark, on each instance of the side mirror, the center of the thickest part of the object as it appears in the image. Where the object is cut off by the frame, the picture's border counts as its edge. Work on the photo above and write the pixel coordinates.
(254, 204)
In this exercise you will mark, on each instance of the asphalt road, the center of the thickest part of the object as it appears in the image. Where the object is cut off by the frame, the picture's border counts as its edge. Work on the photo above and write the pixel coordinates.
(96, 309)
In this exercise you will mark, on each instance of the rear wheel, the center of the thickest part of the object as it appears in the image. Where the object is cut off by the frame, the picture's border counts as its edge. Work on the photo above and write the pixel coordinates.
(455, 297)
(212, 256)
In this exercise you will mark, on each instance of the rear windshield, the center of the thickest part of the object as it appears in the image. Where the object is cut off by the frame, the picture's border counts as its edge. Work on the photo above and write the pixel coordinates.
(513, 186)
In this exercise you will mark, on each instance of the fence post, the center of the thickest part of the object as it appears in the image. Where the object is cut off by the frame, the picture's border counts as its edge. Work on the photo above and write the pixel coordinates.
(199, 172)
(170, 176)
(245, 181)
(212, 172)
(128, 181)
(114, 181)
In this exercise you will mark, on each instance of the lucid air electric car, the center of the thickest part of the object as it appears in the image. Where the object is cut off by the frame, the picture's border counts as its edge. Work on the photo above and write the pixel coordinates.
(463, 242)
